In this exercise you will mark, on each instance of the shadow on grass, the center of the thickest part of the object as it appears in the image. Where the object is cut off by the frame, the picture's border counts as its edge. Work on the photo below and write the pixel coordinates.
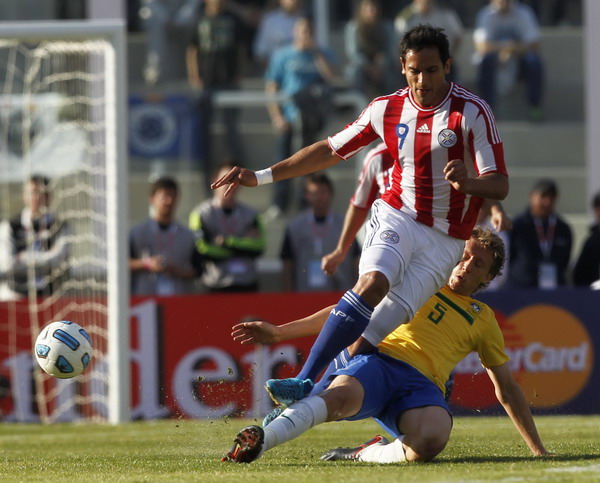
(517, 459)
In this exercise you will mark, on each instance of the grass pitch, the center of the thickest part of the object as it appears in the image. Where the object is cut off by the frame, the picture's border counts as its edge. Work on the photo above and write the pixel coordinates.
(481, 448)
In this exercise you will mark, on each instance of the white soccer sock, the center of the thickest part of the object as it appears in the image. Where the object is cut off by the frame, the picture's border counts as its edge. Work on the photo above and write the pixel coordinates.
(295, 420)
(388, 453)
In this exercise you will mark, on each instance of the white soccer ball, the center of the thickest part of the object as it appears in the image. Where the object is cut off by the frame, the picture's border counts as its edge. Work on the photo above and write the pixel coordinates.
(63, 349)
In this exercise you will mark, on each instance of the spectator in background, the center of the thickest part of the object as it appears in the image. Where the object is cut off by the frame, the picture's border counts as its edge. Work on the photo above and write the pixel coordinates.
(215, 60)
(429, 12)
(169, 24)
(36, 237)
(540, 242)
(162, 255)
(371, 51)
(229, 236)
(303, 72)
(312, 234)
(587, 268)
(276, 29)
(506, 42)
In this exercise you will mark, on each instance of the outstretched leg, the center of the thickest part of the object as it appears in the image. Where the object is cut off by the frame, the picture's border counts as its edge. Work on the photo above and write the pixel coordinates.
(346, 322)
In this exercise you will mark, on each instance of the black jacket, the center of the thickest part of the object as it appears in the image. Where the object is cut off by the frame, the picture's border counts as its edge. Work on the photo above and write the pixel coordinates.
(526, 254)
(587, 268)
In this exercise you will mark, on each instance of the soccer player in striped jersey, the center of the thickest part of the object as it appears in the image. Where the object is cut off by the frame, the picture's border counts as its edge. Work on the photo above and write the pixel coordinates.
(448, 158)
(402, 384)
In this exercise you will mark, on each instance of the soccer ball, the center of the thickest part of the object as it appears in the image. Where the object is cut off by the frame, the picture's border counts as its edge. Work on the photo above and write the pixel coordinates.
(63, 349)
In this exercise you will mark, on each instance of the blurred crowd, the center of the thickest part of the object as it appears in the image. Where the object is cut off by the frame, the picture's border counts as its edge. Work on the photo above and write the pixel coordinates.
(214, 44)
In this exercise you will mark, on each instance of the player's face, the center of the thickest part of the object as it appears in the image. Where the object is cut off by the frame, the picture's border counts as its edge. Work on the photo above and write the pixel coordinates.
(472, 270)
(426, 75)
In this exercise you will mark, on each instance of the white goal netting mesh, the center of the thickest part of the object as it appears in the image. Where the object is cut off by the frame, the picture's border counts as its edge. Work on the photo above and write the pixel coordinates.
(55, 97)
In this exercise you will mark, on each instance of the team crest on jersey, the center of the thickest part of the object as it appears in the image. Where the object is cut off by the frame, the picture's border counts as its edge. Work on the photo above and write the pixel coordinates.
(476, 308)
(447, 138)
(390, 236)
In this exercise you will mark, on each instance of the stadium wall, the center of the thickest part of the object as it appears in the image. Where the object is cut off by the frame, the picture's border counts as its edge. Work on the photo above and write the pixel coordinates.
(184, 363)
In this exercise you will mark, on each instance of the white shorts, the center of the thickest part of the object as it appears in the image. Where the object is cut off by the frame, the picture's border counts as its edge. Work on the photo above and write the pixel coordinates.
(416, 259)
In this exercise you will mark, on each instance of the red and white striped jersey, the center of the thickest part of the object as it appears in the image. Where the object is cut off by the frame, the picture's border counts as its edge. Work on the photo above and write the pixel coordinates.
(375, 178)
(422, 141)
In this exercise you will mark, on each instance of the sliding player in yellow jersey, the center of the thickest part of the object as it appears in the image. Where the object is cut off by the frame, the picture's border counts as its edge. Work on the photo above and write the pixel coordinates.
(401, 384)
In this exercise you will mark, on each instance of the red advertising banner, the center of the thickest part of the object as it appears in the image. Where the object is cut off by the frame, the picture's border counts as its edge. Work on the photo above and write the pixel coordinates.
(185, 364)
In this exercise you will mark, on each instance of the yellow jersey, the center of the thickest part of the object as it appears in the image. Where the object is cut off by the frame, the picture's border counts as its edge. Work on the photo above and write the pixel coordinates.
(443, 332)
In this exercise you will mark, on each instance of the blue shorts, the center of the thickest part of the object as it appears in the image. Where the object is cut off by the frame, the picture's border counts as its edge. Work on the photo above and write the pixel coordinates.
(391, 387)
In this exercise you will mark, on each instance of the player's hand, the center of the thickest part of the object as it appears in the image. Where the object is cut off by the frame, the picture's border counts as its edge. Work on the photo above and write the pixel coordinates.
(256, 332)
(456, 173)
(501, 221)
(236, 176)
(542, 453)
(331, 261)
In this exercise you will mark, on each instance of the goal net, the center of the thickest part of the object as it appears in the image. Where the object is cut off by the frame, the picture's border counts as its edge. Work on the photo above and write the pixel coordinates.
(63, 210)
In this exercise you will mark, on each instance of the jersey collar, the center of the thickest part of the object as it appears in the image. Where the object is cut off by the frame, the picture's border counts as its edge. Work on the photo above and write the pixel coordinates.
(429, 109)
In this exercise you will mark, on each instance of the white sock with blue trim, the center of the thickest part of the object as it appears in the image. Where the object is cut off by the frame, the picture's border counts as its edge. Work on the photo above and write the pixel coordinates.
(295, 420)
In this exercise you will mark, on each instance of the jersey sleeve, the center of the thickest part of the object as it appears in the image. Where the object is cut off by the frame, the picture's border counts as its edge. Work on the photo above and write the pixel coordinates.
(355, 136)
(491, 343)
(485, 143)
(367, 189)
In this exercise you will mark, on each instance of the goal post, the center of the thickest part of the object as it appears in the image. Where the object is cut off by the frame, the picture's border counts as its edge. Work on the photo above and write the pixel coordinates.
(63, 91)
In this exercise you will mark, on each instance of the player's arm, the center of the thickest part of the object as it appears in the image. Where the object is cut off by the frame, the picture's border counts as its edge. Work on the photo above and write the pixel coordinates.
(513, 400)
(354, 219)
(259, 332)
(493, 186)
(316, 157)
(498, 217)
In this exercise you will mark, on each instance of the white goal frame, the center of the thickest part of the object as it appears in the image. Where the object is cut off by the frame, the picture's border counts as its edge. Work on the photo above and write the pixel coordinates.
(113, 31)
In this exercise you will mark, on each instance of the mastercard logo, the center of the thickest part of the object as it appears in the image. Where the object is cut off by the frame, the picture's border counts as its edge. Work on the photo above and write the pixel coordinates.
(551, 357)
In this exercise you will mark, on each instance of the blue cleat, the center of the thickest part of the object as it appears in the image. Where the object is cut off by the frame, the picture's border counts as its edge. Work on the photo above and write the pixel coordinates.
(272, 415)
(287, 391)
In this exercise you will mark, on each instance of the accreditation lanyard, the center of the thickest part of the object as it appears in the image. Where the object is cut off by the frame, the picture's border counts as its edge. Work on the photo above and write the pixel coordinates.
(228, 221)
(545, 238)
(165, 238)
(319, 231)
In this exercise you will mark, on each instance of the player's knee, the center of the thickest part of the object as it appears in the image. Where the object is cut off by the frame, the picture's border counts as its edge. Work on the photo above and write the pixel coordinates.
(426, 446)
(343, 398)
(372, 287)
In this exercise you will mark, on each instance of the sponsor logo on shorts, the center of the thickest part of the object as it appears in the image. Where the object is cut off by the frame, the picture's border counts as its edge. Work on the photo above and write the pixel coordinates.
(390, 236)
(447, 138)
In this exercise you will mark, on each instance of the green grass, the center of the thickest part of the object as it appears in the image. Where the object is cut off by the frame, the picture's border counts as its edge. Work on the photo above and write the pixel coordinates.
(178, 450)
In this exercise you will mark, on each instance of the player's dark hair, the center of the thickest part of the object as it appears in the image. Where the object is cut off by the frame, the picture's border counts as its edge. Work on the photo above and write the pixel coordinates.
(492, 242)
(321, 179)
(423, 37)
(164, 183)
